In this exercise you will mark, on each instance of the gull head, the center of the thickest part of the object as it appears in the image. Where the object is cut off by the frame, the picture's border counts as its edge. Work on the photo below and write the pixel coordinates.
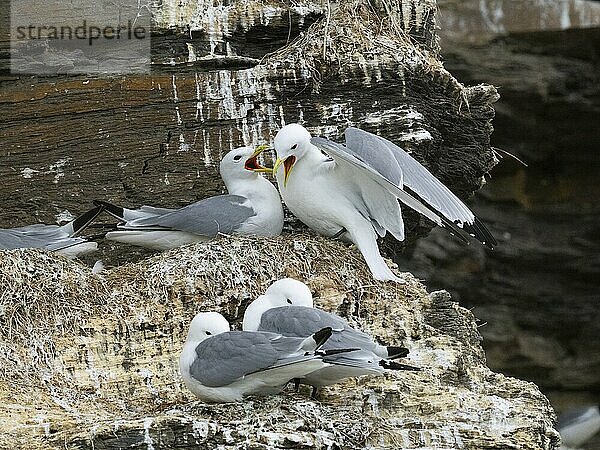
(205, 325)
(288, 291)
(284, 292)
(241, 163)
(291, 143)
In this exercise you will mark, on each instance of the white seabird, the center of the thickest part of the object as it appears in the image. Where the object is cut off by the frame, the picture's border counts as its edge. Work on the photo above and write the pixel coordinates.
(352, 191)
(63, 239)
(287, 308)
(578, 425)
(219, 365)
(251, 207)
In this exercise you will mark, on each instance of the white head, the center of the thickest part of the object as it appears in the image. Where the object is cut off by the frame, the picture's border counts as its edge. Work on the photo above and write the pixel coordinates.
(291, 143)
(205, 325)
(240, 163)
(288, 291)
(284, 292)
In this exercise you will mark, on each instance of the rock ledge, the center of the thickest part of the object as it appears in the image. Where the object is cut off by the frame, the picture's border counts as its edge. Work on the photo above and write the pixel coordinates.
(90, 361)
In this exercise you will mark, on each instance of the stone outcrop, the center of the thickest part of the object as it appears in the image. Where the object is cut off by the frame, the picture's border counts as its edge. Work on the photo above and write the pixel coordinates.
(90, 361)
(537, 291)
(228, 74)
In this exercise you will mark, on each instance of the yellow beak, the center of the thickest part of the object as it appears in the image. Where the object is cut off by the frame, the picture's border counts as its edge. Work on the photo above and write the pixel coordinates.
(259, 150)
(252, 164)
(288, 164)
(276, 166)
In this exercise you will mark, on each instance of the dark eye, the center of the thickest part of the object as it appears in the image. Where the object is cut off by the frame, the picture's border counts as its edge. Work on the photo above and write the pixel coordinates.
(208, 333)
(289, 301)
(294, 146)
(237, 158)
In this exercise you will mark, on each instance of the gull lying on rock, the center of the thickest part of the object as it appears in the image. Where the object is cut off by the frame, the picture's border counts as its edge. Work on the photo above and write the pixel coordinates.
(287, 308)
(63, 239)
(219, 365)
(353, 190)
(252, 207)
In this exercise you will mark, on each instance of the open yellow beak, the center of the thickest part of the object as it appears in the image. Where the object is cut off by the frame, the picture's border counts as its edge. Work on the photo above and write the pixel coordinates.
(288, 164)
(252, 164)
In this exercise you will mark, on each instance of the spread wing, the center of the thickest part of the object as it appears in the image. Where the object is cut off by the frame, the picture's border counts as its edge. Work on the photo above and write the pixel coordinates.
(371, 157)
(208, 217)
(418, 179)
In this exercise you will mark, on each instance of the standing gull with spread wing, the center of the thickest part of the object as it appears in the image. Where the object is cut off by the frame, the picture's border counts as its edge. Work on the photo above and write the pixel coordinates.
(251, 207)
(353, 190)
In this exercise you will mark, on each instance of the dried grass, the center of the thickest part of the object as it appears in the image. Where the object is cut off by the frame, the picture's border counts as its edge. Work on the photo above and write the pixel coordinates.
(45, 296)
(368, 31)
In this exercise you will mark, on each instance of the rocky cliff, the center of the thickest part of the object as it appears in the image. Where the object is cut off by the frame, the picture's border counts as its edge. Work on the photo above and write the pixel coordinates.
(90, 361)
(538, 290)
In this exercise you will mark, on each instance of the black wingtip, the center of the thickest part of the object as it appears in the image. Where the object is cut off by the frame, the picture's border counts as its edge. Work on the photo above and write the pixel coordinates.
(321, 336)
(337, 351)
(81, 222)
(113, 210)
(480, 232)
(476, 230)
(396, 352)
(393, 365)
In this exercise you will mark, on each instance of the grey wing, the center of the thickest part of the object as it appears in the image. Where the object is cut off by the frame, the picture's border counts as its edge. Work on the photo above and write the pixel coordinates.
(577, 415)
(208, 217)
(62, 244)
(227, 357)
(154, 211)
(415, 176)
(12, 239)
(378, 152)
(302, 321)
(298, 321)
(33, 236)
(343, 157)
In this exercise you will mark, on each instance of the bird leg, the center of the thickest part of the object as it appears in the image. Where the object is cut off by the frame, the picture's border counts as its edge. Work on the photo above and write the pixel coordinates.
(296, 385)
(315, 390)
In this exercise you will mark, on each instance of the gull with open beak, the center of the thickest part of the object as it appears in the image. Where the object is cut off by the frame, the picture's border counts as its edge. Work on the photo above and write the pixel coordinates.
(252, 207)
(352, 191)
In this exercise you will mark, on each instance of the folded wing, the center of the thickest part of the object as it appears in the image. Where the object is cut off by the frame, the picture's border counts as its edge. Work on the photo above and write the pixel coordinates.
(208, 217)
(227, 357)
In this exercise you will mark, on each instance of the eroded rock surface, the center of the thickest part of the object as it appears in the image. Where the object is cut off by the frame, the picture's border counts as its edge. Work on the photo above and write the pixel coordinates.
(90, 361)
(156, 139)
(538, 289)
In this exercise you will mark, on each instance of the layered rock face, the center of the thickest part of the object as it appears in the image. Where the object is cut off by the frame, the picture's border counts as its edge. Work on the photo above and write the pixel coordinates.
(90, 361)
(543, 277)
(228, 74)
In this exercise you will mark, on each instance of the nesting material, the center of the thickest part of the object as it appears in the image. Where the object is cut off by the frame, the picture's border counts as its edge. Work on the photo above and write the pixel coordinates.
(90, 360)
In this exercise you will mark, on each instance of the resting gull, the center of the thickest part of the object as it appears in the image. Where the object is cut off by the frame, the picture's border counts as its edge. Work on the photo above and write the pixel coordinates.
(353, 190)
(251, 207)
(63, 239)
(287, 308)
(219, 365)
